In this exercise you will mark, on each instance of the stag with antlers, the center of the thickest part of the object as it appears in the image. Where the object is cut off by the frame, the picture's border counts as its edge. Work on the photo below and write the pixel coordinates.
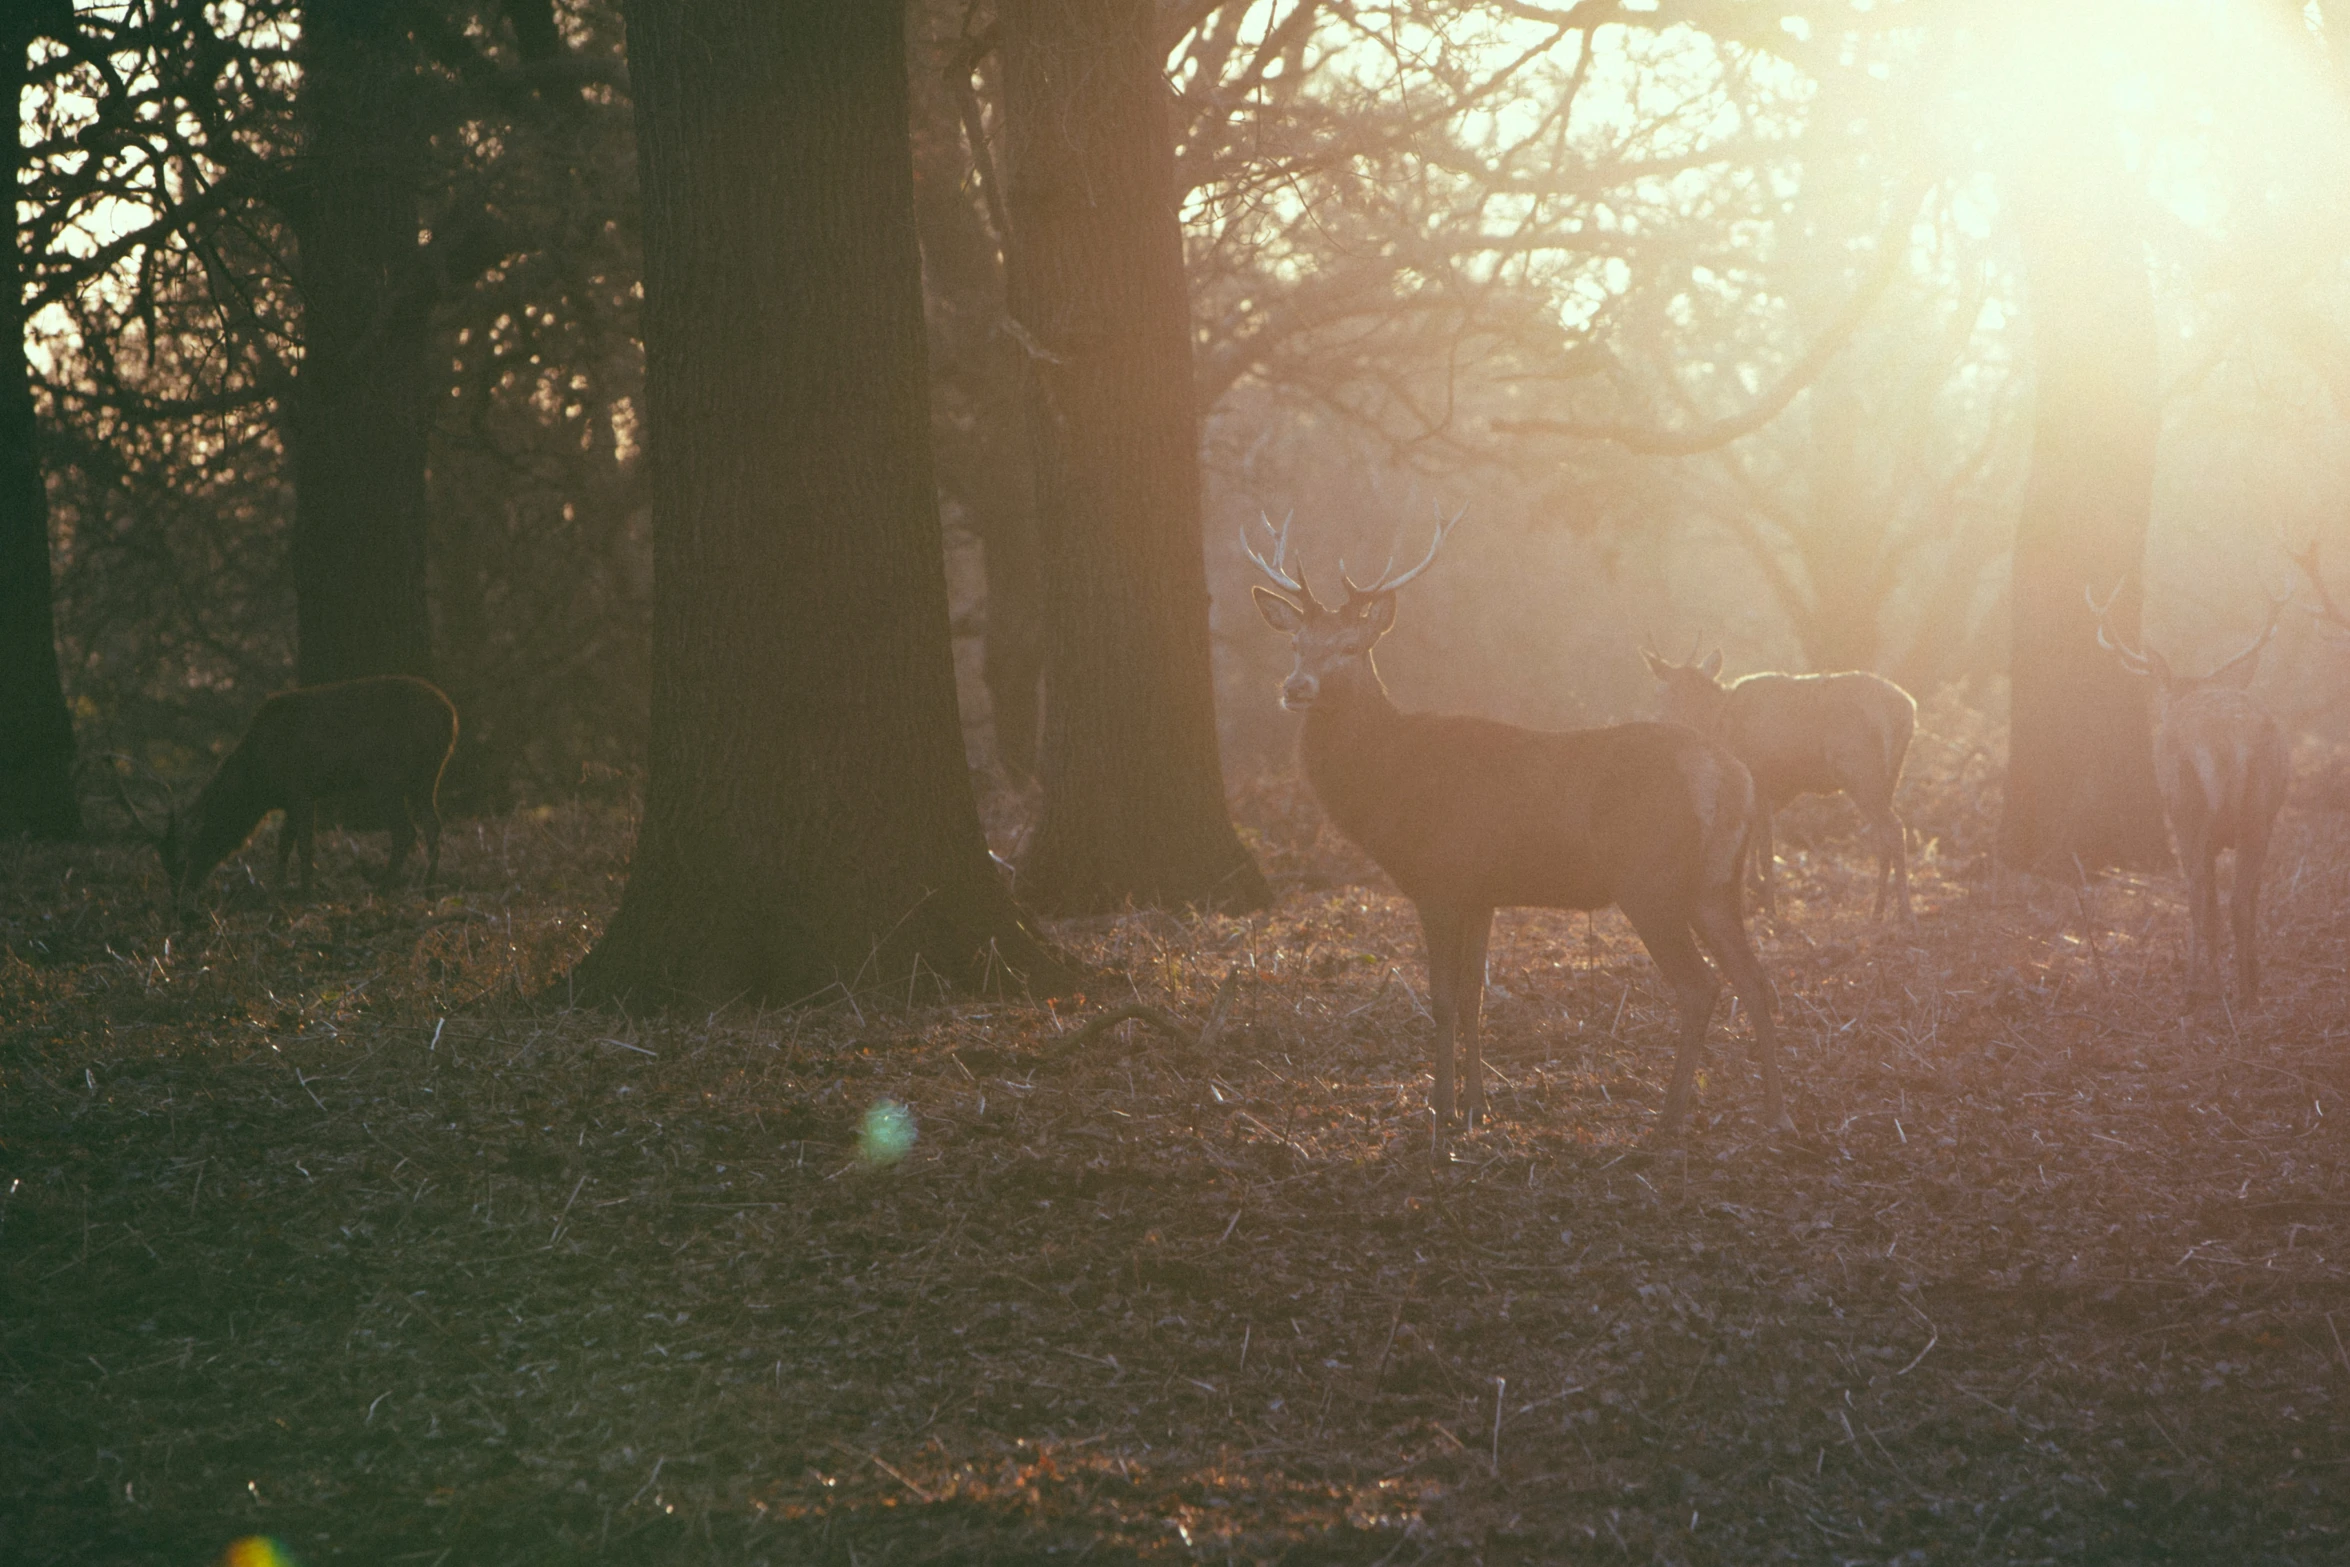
(1468, 815)
(2220, 766)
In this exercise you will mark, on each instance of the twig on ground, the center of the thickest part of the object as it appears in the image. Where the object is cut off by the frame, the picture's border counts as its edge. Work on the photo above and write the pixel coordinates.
(1205, 1038)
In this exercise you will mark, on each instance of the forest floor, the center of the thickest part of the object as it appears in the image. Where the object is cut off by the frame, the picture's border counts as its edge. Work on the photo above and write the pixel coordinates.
(314, 1225)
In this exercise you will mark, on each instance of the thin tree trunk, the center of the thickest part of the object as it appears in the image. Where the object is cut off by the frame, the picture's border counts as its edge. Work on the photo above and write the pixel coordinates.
(980, 422)
(36, 735)
(1843, 520)
(1944, 627)
(1846, 513)
(809, 826)
(2080, 779)
(362, 404)
(1133, 790)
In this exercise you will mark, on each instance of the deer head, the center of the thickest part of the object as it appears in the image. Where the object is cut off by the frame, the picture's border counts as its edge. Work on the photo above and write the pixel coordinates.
(1333, 645)
(2237, 672)
(172, 841)
(1694, 693)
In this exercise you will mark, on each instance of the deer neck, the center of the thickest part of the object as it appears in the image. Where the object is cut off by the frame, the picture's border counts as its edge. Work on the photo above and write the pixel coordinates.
(229, 808)
(1713, 714)
(1346, 733)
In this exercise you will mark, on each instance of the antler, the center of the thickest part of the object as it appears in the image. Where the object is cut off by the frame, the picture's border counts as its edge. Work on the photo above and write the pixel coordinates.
(2276, 611)
(1387, 583)
(2136, 661)
(1278, 567)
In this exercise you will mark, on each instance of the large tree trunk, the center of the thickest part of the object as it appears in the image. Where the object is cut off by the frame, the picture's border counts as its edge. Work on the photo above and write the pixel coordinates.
(809, 825)
(362, 404)
(979, 420)
(1133, 790)
(36, 737)
(2080, 777)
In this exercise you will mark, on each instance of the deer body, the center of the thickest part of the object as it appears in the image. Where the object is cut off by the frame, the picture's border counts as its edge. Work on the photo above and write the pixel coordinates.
(2220, 766)
(1466, 811)
(1468, 815)
(1844, 733)
(388, 736)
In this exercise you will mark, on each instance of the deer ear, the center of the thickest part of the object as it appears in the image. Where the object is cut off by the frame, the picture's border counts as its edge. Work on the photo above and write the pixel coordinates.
(1712, 665)
(1379, 616)
(1279, 613)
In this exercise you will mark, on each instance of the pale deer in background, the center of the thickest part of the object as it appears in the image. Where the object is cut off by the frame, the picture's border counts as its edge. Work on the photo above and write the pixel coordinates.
(1469, 815)
(387, 736)
(2220, 766)
(1845, 733)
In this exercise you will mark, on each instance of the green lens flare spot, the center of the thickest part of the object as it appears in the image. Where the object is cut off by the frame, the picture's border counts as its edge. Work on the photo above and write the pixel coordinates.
(256, 1550)
(887, 1134)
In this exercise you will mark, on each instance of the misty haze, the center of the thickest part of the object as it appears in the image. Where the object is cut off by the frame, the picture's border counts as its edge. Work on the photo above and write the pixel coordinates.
(1416, 781)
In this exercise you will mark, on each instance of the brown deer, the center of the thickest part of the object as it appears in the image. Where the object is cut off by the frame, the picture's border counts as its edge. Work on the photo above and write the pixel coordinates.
(1469, 815)
(2220, 765)
(1843, 733)
(386, 735)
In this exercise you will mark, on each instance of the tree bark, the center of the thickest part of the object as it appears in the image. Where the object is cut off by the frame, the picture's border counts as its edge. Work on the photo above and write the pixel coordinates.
(809, 826)
(36, 735)
(2080, 778)
(1133, 789)
(362, 403)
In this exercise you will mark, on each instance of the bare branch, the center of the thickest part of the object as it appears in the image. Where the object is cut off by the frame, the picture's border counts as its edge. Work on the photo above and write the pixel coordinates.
(1650, 442)
(961, 62)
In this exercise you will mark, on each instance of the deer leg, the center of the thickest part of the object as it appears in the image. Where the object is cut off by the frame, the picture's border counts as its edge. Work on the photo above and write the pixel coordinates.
(1725, 936)
(1892, 839)
(2244, 913)
(1441, 930)
(1469, 1003)
(1669, 940)
(2202, 924)
(393, 805)
(431, 812)
(1900, 829)
(301, 831)
(1766, 857)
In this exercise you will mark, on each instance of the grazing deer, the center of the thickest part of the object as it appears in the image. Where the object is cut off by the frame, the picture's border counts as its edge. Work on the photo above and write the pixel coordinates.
(388, 735)
(1469, 815)
(2220, 765)
(1806, 734)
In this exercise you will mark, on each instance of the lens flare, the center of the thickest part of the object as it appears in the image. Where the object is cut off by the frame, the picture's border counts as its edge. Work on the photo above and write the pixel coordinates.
(257, 1550)
(887, 1134)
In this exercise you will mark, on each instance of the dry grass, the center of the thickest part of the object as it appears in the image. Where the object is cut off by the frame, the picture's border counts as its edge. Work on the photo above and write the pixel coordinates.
(314, 1225)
